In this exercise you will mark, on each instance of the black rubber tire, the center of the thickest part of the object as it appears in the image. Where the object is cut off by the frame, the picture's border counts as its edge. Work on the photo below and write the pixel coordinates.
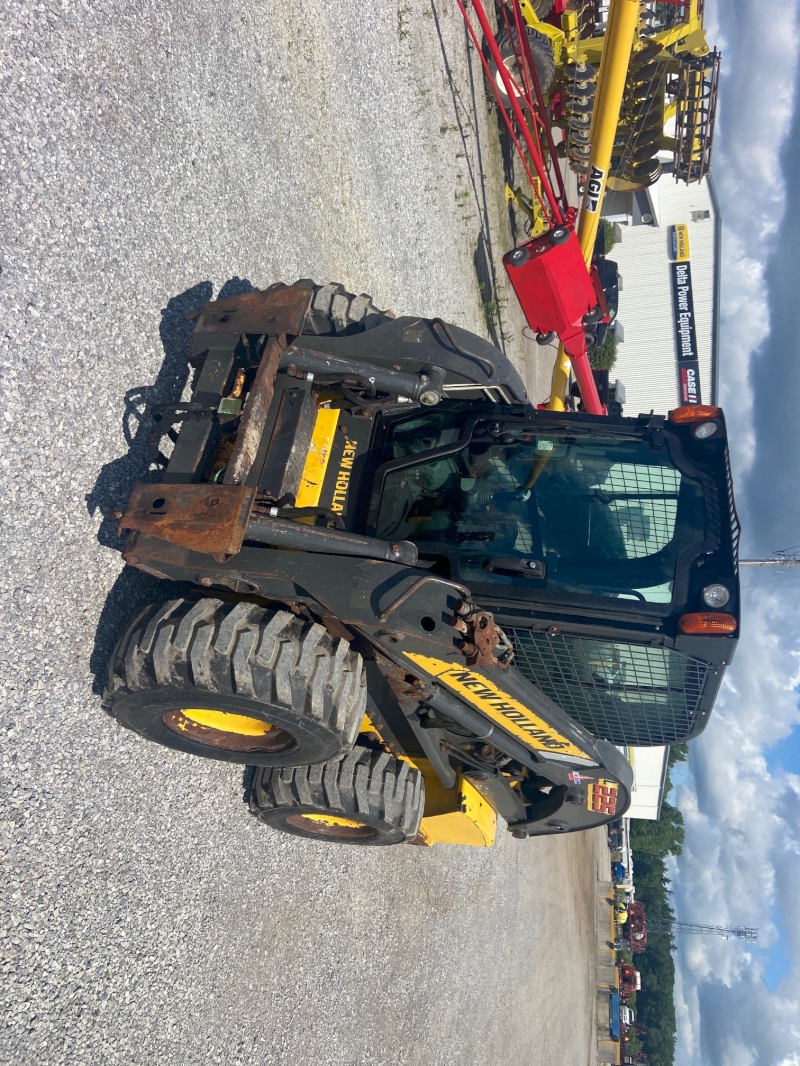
(559, 235)
(541, 53)
(546, 338)
(336, 312)
(242, 659)
(384, 795)
(519, 256)
(542, 8)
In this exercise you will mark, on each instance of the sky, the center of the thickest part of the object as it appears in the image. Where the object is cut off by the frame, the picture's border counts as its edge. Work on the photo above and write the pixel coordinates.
(738, 1005)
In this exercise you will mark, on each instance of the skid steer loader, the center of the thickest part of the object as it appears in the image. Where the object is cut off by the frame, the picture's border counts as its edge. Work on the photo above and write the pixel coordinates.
(419, 602)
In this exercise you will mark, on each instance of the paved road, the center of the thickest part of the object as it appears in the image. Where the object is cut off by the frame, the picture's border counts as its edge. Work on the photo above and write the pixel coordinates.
(154, 154)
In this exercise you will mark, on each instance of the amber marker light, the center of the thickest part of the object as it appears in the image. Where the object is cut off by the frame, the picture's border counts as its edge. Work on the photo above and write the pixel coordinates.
(695, 412)
(707, 623)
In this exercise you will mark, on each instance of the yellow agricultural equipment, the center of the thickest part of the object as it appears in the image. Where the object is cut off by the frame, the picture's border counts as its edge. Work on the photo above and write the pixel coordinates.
(671, 82)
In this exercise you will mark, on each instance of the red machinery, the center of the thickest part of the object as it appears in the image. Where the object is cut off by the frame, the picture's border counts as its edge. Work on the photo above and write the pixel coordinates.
(630, 980)
(636, 928)
(548, 274)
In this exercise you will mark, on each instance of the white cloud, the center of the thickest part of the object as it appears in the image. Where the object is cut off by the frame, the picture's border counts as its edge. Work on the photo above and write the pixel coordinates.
(759, 40)
(741, 860)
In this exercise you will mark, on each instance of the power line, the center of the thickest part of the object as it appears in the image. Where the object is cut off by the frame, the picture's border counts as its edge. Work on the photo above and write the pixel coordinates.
(776, 581)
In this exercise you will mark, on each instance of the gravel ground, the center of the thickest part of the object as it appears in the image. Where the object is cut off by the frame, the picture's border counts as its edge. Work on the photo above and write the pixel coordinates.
(154, 155)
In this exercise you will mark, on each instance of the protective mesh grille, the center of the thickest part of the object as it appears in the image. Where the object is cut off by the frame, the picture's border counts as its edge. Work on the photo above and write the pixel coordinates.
(639, 504)
(625, 693)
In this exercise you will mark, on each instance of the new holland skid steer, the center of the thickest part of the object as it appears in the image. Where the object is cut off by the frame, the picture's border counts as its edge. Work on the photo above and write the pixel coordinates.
(419, 602)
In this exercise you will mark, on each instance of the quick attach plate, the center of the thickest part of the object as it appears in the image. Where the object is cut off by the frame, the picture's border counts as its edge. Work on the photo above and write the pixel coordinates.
(204, 518)
(271, 312)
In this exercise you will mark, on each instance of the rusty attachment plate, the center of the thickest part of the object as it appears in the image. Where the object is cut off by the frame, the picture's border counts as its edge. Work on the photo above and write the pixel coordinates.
(203, 518)
(272, 312)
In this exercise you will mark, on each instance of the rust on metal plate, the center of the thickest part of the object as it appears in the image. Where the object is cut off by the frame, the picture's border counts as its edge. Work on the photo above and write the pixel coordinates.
(204, 518)
(254, 417)
(272, 312)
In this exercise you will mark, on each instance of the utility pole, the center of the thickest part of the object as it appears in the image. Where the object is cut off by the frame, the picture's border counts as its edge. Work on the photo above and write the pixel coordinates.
(777, 563)
(726, 932)
(781, 560)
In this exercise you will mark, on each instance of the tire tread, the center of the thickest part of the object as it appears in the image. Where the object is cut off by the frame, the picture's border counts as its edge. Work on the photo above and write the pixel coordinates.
(335, 311)
(242, 649)
(365, 782)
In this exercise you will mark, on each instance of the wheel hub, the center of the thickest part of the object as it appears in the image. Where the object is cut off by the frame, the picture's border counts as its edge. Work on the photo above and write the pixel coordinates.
(224, 729)
(332, 826)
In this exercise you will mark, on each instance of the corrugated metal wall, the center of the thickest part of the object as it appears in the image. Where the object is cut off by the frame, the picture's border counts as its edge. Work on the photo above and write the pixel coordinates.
(646, 361)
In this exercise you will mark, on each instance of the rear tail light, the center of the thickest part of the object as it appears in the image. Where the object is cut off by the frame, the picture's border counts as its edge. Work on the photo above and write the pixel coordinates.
(695, 412)
(708, 623)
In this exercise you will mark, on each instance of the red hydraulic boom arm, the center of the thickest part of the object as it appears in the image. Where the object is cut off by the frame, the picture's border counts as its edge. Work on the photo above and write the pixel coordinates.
(548, 274)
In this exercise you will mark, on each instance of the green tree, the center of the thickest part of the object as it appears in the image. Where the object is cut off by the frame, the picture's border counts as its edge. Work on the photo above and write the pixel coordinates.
(664, 837)
(603, 356)
(651, 843)
(608, 238)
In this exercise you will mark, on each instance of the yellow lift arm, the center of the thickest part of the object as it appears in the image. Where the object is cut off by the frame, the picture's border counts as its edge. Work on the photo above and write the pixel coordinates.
(621, 29)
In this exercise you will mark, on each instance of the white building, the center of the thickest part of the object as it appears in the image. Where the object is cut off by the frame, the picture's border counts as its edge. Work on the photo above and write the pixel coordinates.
(647, 353)
(649, 777)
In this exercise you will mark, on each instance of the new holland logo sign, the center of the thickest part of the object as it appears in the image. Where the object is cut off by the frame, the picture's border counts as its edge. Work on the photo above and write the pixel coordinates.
(678, 238)
(497, 705)
(683, 315)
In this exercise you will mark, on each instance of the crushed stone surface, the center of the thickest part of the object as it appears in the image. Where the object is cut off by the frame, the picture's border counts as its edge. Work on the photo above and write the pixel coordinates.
(155, 155)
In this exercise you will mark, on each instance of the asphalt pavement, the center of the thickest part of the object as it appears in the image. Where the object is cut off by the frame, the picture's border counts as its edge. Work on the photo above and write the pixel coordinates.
(155, 155)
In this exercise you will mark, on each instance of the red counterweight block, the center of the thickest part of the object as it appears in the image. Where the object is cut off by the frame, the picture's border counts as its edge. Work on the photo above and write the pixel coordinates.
(551, 282)
(556, 293)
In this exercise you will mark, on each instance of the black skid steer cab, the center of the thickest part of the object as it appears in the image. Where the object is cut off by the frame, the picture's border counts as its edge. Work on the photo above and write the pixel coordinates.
(420, 602)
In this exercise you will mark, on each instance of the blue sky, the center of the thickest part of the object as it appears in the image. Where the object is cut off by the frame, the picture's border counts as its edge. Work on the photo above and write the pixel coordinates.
(738, 1005)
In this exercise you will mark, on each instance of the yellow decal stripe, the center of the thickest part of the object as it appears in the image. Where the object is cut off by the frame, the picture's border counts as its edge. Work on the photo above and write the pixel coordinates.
(508, 712)
(319, 454)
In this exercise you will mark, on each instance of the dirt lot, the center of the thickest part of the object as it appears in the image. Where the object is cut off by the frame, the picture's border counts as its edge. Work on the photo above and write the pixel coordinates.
(155, 154)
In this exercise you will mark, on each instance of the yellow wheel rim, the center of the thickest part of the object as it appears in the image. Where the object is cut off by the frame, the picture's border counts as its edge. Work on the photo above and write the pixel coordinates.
(333, 819)
(228, 731)
(329, 826)
(227, 723)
